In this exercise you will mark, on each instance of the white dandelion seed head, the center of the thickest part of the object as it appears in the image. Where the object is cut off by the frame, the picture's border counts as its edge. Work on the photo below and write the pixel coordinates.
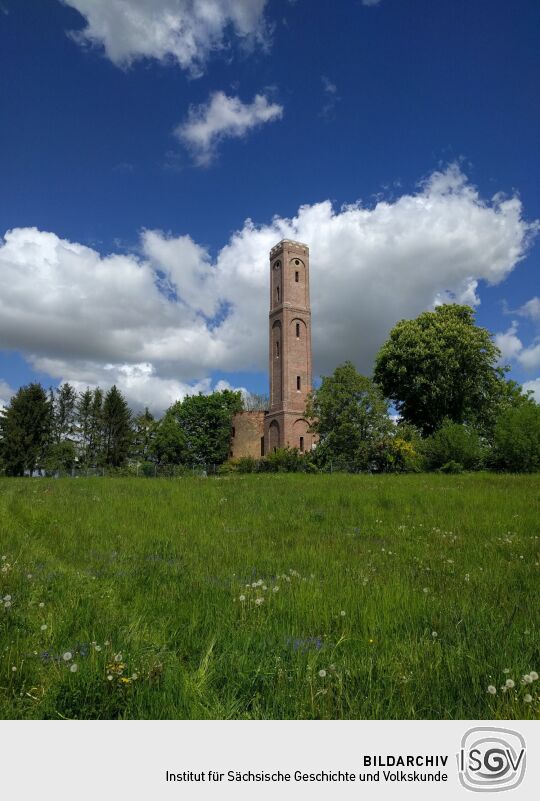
(109, 676)
(97, 647)
(322, 673)
(43, 627)
(118, 657)
(534, 675)
(492, 690)
(527, 678)
(259, 601)
(506, 670)
(242, 598)
(73, 668)
(510, 683)
(67, 656)
(13, 669)
(7, 604)
(7, 597)
(342, 613)
(275, 589)
(41, 605)
(426, 589)
(527, 698)
(434, 634)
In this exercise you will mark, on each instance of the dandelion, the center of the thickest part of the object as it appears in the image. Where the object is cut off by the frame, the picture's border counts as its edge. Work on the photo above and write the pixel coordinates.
(41, 605)
(322, 673)
(434, 634)
(467, 576)
(426, 590)
(342, 613)
(242, 598)
(13, 669)
(259, 601)
(97, 647)
(7, 597)
(118, 657)
(67, 656)
(134, 676)
(506, 670)
(527, 679)
(510, 683)
(275, 589)
(7, 604)
(43, 627)
(109, 676)
(492, 690)
(264, 587)
(73, 668)
(534, 675)
(527, 698)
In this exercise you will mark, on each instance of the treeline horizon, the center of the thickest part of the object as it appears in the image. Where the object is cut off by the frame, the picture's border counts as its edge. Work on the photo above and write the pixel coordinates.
(442, 373)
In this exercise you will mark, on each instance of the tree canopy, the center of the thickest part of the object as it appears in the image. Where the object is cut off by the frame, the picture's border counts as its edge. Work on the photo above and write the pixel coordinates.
(350, 416)
(442, 365)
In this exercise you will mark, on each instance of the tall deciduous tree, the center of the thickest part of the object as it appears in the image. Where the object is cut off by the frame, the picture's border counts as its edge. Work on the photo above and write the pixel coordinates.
(25, 430)
(350, 416)
(441, 365)
(205, 423)
(117, 428)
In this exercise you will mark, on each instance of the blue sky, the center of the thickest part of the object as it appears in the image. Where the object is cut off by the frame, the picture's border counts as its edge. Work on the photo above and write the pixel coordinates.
(134, 150)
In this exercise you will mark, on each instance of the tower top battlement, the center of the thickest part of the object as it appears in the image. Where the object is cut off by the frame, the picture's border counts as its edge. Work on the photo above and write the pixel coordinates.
(290, 244)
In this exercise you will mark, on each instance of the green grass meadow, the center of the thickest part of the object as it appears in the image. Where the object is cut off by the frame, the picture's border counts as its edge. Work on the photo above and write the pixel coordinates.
(270, 596)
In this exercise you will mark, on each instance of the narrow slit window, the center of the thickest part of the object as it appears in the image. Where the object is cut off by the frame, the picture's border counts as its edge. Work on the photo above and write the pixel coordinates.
(277, 350)
(302, 444)
(297, 330)
(262, 446)
(234, 431)
(298, 383)
(296, 276)
(277, 294)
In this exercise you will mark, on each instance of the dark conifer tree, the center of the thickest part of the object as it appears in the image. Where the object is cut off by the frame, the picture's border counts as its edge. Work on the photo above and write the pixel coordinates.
(25, 430)
(117, 428)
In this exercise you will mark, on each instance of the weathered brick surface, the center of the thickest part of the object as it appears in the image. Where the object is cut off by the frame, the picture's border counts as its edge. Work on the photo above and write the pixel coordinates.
(290, 346)
(247, 433)
(289, 359)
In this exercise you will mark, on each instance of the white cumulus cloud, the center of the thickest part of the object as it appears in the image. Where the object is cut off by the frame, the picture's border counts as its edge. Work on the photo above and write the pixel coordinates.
(531, 309)
(534, 387)
(159, 321)
(223, 117)
(5, 393)
(184, 31)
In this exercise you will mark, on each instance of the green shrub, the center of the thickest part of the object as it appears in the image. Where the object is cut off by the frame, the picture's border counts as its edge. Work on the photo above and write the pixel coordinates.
(516, 441)
(452, 467)
(454, 442)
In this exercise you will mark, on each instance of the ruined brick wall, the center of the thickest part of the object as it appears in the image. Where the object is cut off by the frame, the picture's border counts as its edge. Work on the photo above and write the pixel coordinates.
(247, 435)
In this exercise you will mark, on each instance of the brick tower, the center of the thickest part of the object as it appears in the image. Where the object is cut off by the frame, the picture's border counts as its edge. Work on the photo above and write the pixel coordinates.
(290, 347)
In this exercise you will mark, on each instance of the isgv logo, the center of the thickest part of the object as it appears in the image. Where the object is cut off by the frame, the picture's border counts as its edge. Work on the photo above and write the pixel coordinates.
(491, 759)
